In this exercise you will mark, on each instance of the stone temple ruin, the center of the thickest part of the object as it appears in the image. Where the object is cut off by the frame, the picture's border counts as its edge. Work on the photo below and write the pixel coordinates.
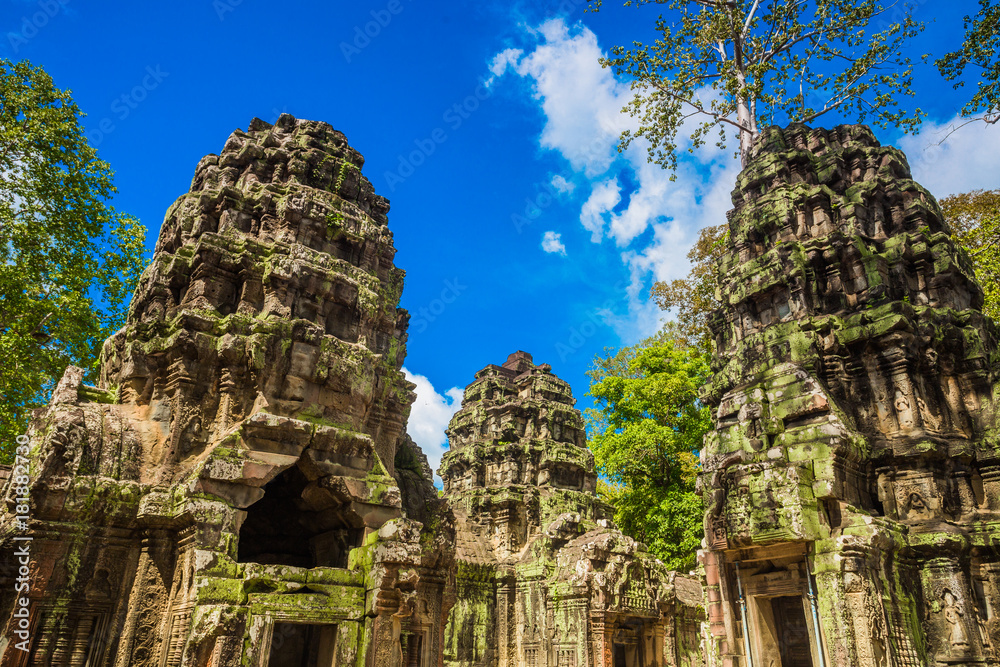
(542, 577)
(240, 490)
(852, 482)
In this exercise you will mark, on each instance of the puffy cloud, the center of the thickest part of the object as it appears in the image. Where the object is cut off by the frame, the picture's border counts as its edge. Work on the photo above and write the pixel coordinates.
(501, 61)
(582, 103)
(603, 198)
(560, 183)
(948, 158)
(429, 418)
(581, 100)
(552, 243)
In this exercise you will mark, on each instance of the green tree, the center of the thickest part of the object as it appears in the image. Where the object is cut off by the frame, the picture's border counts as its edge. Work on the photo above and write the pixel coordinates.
(980, 52)
(975, 222)
(740, 65)
(692, 299)
(646, 431)
(68, 261)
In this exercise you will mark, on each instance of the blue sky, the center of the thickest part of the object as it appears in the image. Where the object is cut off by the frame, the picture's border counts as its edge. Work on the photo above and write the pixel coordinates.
(490, 127)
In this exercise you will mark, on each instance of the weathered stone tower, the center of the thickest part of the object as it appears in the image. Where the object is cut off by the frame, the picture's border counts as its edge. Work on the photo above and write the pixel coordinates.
(543, 579)
(853, 479)
(226, 496)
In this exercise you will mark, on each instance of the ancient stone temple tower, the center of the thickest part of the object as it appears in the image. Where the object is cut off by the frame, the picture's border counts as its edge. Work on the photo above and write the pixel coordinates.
(853, 479)
(543, 579)
(230, 493)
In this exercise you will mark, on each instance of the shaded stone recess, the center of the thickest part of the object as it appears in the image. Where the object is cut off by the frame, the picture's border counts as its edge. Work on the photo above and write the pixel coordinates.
(543, 577)
(852, 480)
(239, 488)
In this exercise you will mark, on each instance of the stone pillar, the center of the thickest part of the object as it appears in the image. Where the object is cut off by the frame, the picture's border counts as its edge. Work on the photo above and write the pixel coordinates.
(143, 633)
(600, 640)
(505, 625)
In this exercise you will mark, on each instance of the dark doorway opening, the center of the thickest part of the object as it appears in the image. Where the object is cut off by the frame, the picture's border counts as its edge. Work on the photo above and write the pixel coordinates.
(300, 645)
(620, 655)
(792, 632)
(283, 528)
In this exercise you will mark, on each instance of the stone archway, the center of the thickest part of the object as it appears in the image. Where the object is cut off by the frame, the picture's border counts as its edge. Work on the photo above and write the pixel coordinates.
(297, 524)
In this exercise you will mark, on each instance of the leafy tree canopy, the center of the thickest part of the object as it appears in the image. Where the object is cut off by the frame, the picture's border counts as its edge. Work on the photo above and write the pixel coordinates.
(981, 53)
(975, 221)
(745, 64)
(68, 261)
(646, 431)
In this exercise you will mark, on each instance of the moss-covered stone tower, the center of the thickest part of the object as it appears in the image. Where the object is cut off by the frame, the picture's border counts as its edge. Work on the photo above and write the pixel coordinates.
(226, 495)
(852, 481)
(544, 579)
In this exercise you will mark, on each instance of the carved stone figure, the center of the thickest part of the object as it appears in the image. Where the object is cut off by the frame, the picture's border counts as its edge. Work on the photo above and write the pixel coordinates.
(953, 616)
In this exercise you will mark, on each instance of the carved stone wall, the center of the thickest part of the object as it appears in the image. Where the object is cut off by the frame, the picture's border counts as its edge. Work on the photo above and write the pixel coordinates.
(544, 580)
(229, 493)
(851, 479)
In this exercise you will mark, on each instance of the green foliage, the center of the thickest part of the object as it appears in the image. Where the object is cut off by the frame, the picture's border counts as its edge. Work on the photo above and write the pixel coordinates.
(980, 52)
(646, 431)
(68, 261)
(975, 221)
(746, 64)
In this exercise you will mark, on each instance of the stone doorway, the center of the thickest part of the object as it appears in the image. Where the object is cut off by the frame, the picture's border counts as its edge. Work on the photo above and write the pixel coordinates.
(627, 652)
(619, 655)
(793, 631)
(783, 631)
(301, 645)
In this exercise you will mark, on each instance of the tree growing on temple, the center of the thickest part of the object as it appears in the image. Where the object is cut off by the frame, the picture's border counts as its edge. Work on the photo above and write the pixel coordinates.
(740, 65)
(68, 261)
(646, 431)
(975, 221)
(980, 53)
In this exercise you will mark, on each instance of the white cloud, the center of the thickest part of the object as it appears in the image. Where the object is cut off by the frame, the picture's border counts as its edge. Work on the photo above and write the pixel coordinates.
(552, 243)
(429, 418)
(947, 164)
(603, 197)
(582, 101)
(582, 104)
(501, 61)
(560, 183)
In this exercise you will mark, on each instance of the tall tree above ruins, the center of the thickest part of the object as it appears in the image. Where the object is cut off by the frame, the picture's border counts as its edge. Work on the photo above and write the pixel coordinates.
(980, 53)
(741, 65)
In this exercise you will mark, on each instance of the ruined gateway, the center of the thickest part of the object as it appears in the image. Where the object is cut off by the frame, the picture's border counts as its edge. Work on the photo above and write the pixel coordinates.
(239, 488)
